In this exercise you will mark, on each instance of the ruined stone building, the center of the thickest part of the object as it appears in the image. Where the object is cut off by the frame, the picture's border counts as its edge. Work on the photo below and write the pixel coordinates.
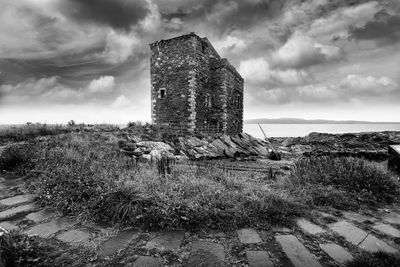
(193, 88)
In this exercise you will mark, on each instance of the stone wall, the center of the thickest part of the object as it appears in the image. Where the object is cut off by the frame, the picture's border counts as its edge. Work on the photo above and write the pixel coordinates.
(202, 91)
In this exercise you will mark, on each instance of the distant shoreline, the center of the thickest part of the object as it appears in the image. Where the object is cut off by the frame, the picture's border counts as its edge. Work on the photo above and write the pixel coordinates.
(302, 121)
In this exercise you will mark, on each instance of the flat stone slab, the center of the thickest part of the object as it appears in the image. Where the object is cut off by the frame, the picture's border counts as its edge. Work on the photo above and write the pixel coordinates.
(309, 227)
(8, 226)
(17, 211)
(373, 244)
(258, 259)
(350, 232)
(166, 240)
(206, 254)
(115, 243)
(336, 252)
(392, 217)
(297, 253)
(353, 216)
(16, 200)
(47, 229)
(74, 236)
(147, 261)
(248, 236)
(387, 229)
(40, 215)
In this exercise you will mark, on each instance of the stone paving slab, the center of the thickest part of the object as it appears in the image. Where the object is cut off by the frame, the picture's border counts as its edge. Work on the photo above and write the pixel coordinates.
(353, 216)
(205, 254)
(297, 253)
(170, 240)
(147, 261)
(74, 236)
(373, 244)
(309, 227)
(8, 226)
(248, 236)
(387, 229)
(17, 211)
(392, 217)
(350, 232)
(258, 259)
(47, 229)
(16, 200)
(115, 243)
(40, 215)
(336, 252)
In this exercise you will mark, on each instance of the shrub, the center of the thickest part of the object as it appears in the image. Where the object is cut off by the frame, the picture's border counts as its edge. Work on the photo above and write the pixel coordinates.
(343, 182)
(13, 156)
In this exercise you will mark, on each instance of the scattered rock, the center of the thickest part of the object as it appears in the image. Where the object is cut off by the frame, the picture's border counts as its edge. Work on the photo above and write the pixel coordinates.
(74, 236)
(350, 232)
(373, 244)
(387, 229)
(147, 261)
(17, 211)
(16, 200)
(47, 229)
(115, 243)
(40, 215)
(8, 226)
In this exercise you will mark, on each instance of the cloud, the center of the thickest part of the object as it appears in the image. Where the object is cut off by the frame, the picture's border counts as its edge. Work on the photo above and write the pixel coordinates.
(104, 84)
(368, 85)
(119, 47)
(385, 28)
(258, 71)
(119, 14)
(121, 101)
(301, 51)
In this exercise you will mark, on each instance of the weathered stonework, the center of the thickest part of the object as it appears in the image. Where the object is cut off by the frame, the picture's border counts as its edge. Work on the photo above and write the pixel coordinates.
(193, 88)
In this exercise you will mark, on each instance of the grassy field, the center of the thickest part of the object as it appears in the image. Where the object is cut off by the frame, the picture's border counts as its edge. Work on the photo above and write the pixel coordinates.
(84, 173)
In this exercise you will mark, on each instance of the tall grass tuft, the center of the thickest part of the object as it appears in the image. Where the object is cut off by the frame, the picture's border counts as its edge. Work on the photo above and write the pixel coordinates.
(343, 182)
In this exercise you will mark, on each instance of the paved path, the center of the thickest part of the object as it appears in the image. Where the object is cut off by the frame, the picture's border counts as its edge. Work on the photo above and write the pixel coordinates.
(327, 240)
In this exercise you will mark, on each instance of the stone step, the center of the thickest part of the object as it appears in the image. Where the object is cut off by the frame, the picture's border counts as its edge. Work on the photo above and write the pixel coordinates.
(46, 230)
(392, 217)
(74, 236)
(17, 200)
(297, 253)
(115, 243)
(17, 211)
(309, 227)
(8, 226)
(336, 252)
(40, 215)
(258, 259)
(147, 261)
(387, 229)
(204, 253)
(248, 236)
(349, 231)
(170, 240)
(373, 244)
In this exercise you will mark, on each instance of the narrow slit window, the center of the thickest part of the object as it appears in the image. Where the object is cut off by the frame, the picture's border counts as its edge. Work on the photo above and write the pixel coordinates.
(238, 100)
(162, 93)
(208, 101)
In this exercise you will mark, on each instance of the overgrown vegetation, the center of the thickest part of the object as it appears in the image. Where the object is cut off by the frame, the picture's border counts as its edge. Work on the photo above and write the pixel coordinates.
(377, 259)
(17, 249)
(85, 174)
(343, 182)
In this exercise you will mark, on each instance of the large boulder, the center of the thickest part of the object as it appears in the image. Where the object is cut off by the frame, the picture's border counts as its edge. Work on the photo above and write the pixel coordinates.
(156, 149)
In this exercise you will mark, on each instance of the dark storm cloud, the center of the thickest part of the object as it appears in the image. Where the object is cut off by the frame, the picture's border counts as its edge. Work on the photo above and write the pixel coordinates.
(224, 15)
(384, 29)
(119, 14)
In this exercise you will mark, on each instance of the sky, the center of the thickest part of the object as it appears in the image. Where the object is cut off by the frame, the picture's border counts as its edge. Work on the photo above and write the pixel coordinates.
(88, 61)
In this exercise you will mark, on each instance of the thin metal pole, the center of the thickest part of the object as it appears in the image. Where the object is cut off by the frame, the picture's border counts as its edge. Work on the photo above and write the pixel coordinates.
(265, 136)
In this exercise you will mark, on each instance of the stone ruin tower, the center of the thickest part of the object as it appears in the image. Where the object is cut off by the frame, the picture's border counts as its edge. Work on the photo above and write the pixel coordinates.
(193, 89)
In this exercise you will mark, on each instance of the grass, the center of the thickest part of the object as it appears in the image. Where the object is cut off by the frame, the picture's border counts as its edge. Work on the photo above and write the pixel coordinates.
(85, 174)
(17, 249)
(343, 182)
(377, 259)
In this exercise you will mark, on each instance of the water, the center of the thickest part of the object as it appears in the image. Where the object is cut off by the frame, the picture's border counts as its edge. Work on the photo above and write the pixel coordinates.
(294, 130)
